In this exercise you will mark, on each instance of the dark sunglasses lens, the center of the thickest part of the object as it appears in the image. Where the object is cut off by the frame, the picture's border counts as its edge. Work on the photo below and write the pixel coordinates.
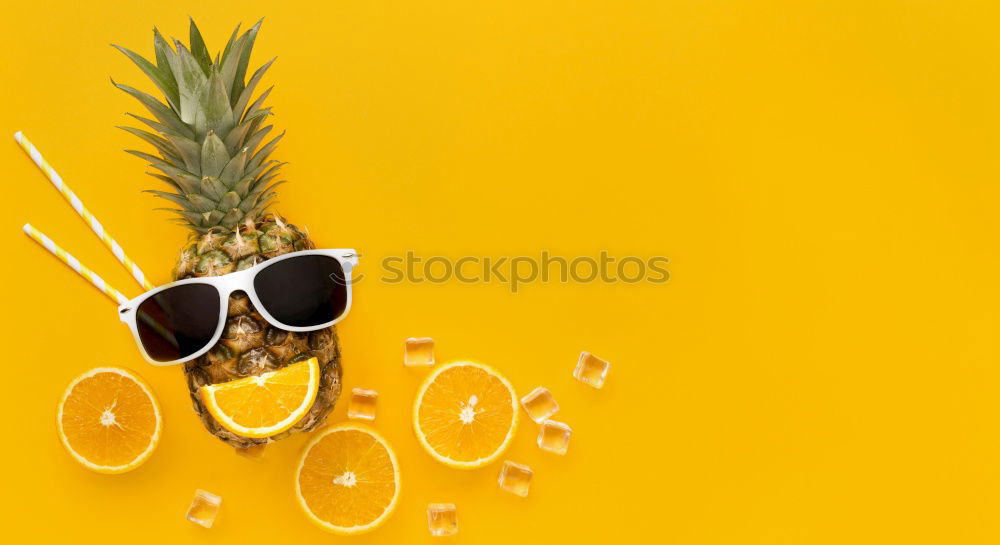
(178, 321)
(303, 291)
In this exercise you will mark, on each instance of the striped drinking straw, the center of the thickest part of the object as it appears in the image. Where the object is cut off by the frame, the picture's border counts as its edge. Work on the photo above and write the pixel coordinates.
(91, 276)
(75, 264)
(77, 205)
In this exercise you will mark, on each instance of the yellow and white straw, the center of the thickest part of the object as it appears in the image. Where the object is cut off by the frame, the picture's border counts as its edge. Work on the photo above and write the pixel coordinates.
(77, 205)
(75, 264)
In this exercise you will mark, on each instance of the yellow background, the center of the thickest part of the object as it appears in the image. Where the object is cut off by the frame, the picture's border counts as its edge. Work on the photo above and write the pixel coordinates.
(821, 367)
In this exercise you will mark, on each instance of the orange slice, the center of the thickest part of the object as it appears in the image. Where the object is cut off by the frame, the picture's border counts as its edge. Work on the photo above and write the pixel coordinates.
(109, 420)
(348, 479)
(264, 405)
(465, 414)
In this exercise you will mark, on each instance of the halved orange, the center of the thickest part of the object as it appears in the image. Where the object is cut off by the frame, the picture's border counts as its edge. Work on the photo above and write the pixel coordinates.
(465, 414)
(348, 479)
(109, 420)
(264, 405)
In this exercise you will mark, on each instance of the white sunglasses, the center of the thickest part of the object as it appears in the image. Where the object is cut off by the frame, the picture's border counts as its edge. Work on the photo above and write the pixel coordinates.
(299, 291)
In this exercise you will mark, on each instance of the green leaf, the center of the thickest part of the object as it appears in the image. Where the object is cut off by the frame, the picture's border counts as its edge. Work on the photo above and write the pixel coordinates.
(200, 203)
(186, 182)
(198, 49)
(189, 183)
(191, 82)
(234, 140)
(229, 201)
(144, 155)
(163, 81)
(271, 188)
(259, 117)
(241, 69)
(163, 53)
(254, 172)
(229, 44)
(172, 197)
(263, 180)
(182, 178)
(194, 218)
(256, 138)
(161, 112)
(166, 179)
(268, 195)
(214, 113)
(259, 209)
(245, 93)
(249, 202)
(259, 157)
(242, 187)
(212, 187)
(182, 181)
(157, 163)
(213, 217)
(262, 202)
(252, 109)
(255, 190)
(271, 171)
(156, 126)
(188, 150)
(228, 67)
(213, 155)
(234, 168)
(161, 145)
(232, 218)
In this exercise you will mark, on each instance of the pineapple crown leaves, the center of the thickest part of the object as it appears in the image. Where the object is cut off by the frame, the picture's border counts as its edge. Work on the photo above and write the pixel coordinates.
(207, 133)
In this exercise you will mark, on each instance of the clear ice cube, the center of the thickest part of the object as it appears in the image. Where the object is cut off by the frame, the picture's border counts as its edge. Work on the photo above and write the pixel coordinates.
(362, 405)
(539, 404)
(515, 478)
(419, 352)
(204, 508)
(554, 436)
(442, 519)
(591, 370)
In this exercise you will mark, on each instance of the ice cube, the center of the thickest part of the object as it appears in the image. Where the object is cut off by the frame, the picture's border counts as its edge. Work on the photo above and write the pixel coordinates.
(539, 404)
(554, 436)
(442, 519)
(204, 508)
(591, 370)
(515, 478)
(362, 405)
(419, 352)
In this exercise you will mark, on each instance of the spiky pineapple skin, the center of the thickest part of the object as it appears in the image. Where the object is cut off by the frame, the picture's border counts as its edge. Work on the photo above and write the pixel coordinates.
(249, 345)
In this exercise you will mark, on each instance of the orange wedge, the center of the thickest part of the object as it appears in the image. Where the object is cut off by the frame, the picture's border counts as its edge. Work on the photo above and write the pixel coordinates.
(465, 414)
(109, 420)
(348, 479)
(264, 405)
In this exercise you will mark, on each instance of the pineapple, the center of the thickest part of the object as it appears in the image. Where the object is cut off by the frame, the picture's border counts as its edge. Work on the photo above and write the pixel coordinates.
(210, 141)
